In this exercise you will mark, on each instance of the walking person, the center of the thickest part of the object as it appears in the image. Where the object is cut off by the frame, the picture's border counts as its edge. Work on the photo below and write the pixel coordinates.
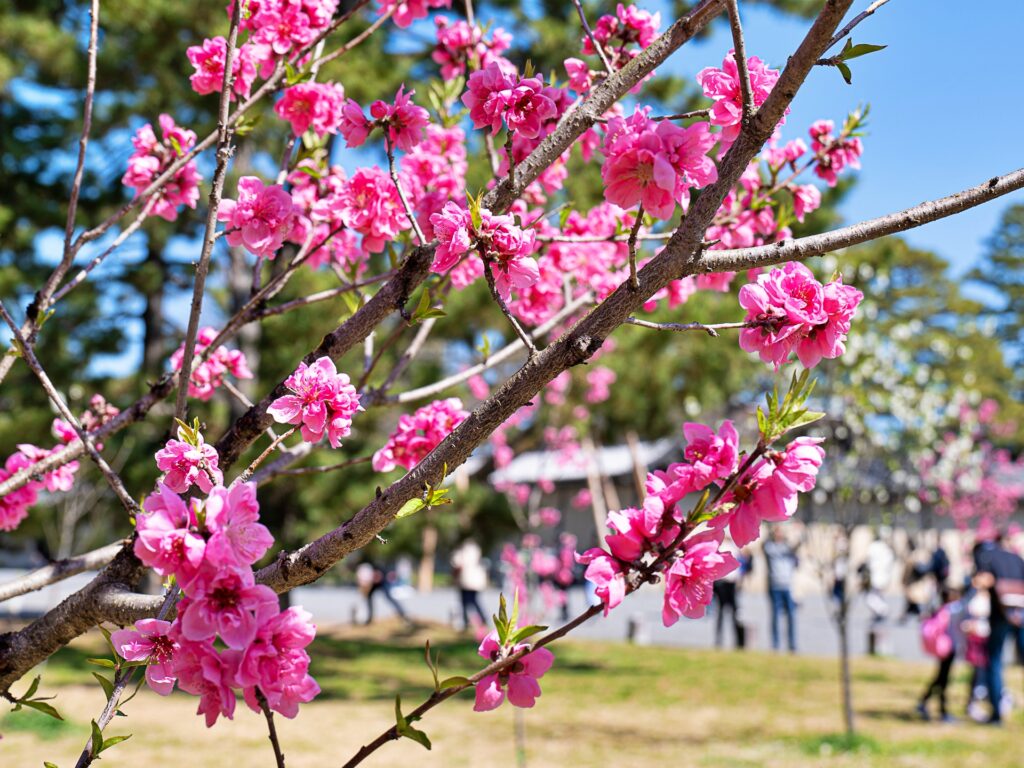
(372, 579)
(782, 563)
(941, 637)
(470, 577)
(1002, 573)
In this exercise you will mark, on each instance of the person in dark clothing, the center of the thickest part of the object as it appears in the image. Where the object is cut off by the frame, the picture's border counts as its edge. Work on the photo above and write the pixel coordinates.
(373, 579)
(1002, 573)
(726, 594)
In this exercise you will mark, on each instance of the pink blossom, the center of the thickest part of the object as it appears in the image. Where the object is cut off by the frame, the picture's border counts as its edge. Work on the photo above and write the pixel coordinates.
(403, 121)
(489, 92)
(723, 86)
(828, 339)
(599, 381)
(418, 434)
(261, 219)
(714, 456)
(149, 642)
(224, 602)
(166, 540)
(519, 680)
(61, 478)
(209, 675)
(316, 106)
(185, 464)
(405, 12)
(15, 505)
(237, 538)
(806, 199)
(208, 375)
(276, 662)
(655, 163)
(353, 124)
(152, 157)
(833, 154)
(208, 59)
(324, 401)
(368, 203)
(606, 574)
(629, 25)
(460, 46)
(690, 578)
(769, 490)
(579, 74)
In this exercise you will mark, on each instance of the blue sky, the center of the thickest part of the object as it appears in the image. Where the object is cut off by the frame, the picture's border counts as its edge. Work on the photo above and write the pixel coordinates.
(947, 106)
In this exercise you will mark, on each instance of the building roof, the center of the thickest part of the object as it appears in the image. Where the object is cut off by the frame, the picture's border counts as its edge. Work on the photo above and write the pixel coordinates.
(612, 461)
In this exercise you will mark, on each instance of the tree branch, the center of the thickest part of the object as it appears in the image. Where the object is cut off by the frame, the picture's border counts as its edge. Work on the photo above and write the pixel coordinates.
(59, 570)
(740, 56)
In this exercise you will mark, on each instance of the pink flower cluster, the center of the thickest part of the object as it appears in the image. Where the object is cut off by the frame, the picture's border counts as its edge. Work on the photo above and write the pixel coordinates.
(833, 154)
(324, 401)
(262, 217)
(658, 537)
(277, 29)
(461, 47)
(208, 375)
(497, 238)
(405, 12)
(723, 86)
(655, 163)
(418, 434)
(518, 682)
(496, 95)
(403, 122)
(630, 25)
(789, 311)
(312, 106)
(152, 157)
(14, 507)
(189, 461)
(209, 546)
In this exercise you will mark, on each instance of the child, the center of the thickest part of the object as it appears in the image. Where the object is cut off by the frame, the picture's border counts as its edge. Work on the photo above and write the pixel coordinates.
(940, 636)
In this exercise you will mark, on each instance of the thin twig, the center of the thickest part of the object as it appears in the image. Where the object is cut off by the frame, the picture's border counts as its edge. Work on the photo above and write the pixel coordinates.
(634, 282)
(224, 134)
(60, 570)
(409, 214)
(593, 40)
(511, 157)
(324, 469)
(244, 477)
(362, 36)
(494, 359)
(272, 735)
(710, 330)
(522, 334)
(740, 56)
(855, 21)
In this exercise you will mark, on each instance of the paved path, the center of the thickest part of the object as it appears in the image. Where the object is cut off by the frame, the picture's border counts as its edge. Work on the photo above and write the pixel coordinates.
(816, 635)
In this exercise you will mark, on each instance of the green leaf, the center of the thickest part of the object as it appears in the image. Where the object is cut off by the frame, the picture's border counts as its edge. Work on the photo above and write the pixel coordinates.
(411, 507)
(845, 72)
(453, 682)
(105, 684)
(97, 739)
(513, 618)
(49, 765)
(861, 49)
(474, 211)
(102, 663)
(805, 418)
(563, 217)
(114, 741)
(246, 125)
(42, 706)
(32, 688)
(524, 632)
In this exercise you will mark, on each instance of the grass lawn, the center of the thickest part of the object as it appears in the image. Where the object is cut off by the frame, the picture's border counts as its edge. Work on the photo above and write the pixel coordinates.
(603, 704)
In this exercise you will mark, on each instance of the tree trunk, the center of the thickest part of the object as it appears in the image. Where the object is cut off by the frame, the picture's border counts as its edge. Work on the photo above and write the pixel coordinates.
(425, 582)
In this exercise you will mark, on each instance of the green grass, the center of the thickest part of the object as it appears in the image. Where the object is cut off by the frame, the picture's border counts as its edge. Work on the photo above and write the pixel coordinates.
(601, 703)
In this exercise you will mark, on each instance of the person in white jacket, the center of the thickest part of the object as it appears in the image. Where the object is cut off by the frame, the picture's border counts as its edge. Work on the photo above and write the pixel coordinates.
(470, 577)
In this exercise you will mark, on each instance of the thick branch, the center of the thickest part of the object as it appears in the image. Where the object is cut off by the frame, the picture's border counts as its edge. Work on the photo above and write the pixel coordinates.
(59, 570)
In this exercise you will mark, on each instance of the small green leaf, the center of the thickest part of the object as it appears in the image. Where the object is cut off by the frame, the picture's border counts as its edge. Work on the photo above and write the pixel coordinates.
(49, 765)
(845, 72)
(805, 418)
(177, 146)
(563, 217)
(105, 684)
(524, 632)
(861, 49)
(102, 663)
(42, 706)
(32, 688)
(114, 741)
(97, 739)
(453, 682)
(411, 507)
